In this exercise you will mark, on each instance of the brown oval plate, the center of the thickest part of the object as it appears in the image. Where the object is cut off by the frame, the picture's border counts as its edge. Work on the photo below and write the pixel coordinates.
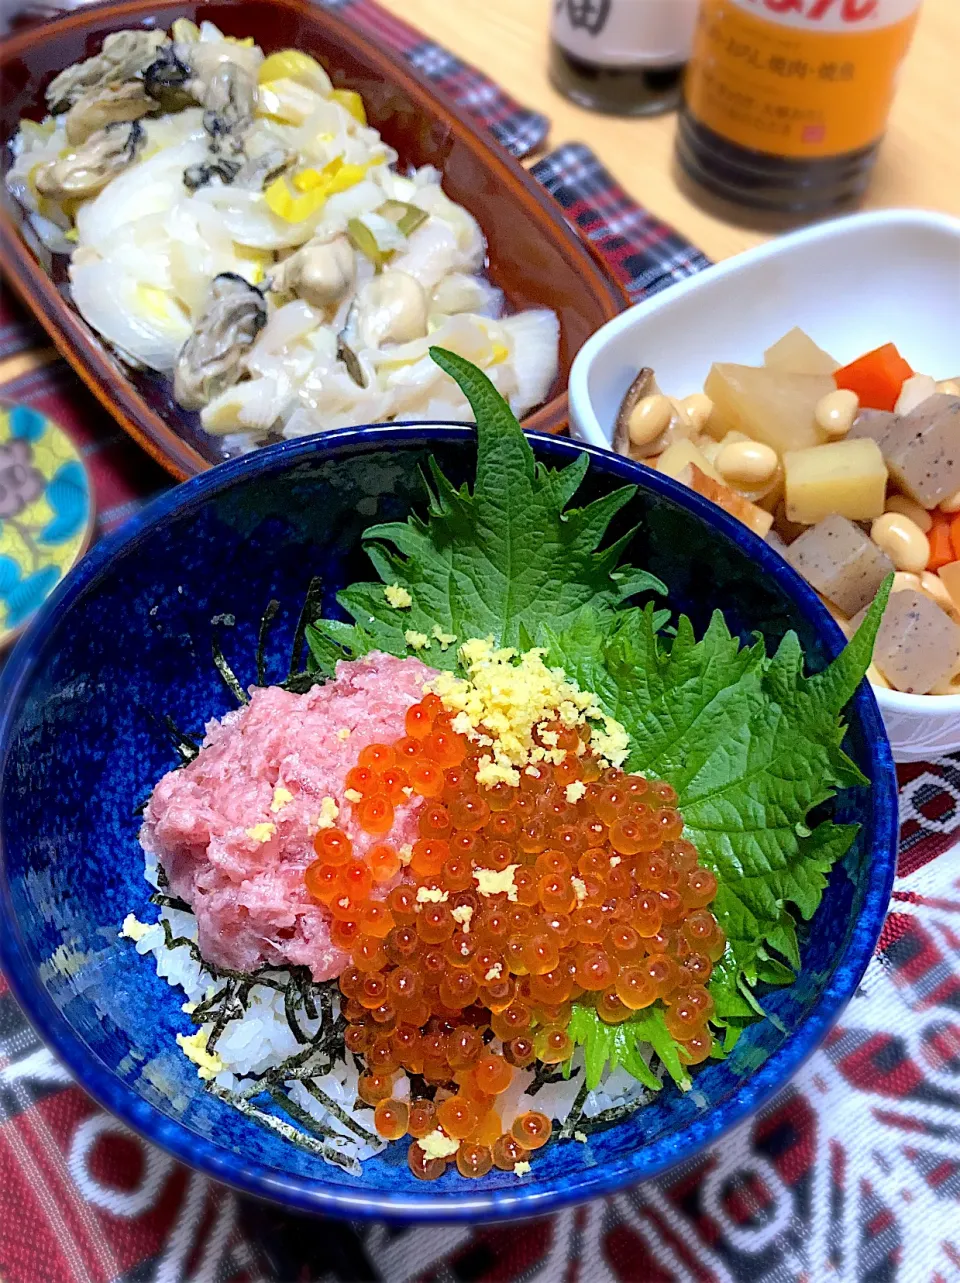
(535, 257)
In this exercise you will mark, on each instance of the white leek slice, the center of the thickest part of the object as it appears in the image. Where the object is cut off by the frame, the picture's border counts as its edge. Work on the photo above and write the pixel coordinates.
(253, 406)
(459, 292)
(535, 341)
(386, 233)
(430, 254)
(142, 321)
(152, 187)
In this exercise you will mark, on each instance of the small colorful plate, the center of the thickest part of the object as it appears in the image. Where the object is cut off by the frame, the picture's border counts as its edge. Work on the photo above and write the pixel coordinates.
(46, 513)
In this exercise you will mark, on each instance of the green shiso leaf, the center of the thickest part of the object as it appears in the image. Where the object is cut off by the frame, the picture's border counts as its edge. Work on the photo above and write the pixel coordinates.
(612, 1045)
(491, 562)
(752, 746)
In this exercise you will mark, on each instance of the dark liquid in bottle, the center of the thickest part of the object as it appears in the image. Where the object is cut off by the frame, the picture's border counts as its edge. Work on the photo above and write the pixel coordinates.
(785, 104)
(615, 91)
(761, 188)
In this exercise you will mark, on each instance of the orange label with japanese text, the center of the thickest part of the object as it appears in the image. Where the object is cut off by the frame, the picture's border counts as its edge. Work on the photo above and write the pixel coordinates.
(798, 78)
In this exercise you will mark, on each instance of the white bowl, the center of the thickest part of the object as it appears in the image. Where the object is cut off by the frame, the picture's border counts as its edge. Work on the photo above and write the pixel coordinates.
(852, 284)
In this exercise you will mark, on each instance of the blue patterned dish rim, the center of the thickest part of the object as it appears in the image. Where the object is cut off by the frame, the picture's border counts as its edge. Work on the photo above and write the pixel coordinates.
(321, 1196)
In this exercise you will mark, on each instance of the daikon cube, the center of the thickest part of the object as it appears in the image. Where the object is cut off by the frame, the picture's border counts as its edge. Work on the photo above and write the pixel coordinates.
(796, 353)
(768, 405)
(681, 453)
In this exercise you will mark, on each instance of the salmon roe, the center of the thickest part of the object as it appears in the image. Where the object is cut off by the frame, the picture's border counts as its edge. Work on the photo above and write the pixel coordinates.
(463, 978)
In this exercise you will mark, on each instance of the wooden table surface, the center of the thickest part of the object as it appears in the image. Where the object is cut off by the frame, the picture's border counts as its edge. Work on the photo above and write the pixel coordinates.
(919, 165)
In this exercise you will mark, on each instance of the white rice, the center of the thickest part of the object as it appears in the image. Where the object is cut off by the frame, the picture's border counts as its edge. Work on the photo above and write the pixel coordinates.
(317, 1113)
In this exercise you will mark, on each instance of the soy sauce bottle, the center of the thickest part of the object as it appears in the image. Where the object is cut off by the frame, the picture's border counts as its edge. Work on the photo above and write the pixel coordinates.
(621, 57)
(786, 102)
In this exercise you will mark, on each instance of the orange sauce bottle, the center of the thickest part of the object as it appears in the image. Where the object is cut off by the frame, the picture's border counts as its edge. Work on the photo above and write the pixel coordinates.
(786, 101)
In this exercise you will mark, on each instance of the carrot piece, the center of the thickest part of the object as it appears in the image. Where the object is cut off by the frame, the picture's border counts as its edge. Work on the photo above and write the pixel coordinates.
(942, 548)
(876, 378)
(955, 536)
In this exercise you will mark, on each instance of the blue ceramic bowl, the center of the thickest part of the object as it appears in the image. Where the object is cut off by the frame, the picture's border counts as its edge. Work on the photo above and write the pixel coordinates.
(127, 639)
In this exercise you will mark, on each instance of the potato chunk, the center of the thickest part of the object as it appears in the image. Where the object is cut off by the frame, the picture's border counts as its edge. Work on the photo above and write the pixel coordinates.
(796, 353)
(847, 477)
(767, 405)
(838, 559)
(922, 450)
(727, 499)
(918, 645)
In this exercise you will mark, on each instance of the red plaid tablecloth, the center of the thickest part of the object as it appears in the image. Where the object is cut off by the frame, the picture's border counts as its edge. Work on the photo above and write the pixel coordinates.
(852, 1173)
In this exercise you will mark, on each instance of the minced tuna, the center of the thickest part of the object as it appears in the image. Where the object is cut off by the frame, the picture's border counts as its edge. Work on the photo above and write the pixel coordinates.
(234, 828)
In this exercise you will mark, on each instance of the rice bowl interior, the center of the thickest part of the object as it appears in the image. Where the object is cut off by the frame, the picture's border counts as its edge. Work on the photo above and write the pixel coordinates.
(62, 914)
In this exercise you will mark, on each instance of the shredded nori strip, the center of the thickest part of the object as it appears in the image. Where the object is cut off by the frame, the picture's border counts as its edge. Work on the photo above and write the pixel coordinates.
(331, 1148)
(170, 902)
(332, 1044)
(332, 1107)
(608, 1117)
(243, 994)
(306, 997)
(326, 1004)
(300, 1115)
(269, 615)
(419, 1087)
(299, 1073)
(184, 746)
(325, 1149)
(289, 1010)
(226, 672)
(576, 1109)
(300, 683)
(224, 1015)
(261, 976)
(311, 610)
(307, 1141)
(230, 1003)
(203, 1011)
(220, 973)
(348, 1162)
(180, 942)
(545, 1074)
(295, 1067)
